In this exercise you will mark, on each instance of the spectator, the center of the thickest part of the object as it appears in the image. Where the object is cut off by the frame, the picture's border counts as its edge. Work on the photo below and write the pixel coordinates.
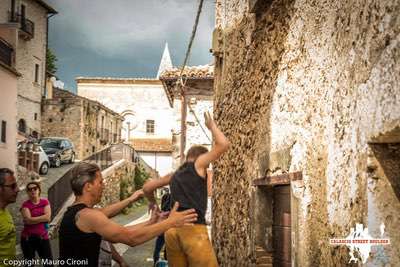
(165, 207)
(8, 194)
(83, 227)
(36, 213)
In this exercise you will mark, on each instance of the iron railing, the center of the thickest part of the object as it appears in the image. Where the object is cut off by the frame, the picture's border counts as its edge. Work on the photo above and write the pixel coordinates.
(6, 53)
(60, 191)
(27, 25)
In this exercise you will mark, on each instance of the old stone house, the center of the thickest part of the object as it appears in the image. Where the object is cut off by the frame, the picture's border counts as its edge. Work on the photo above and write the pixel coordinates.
(8, 101)
(189, 101)
(90, 125)
(31, 18)
(143, 105)
(308, 93)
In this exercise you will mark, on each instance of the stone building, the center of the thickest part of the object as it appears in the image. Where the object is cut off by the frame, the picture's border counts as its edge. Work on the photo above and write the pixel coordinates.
(143, 105)
(8, 101)
(196, 96)
(31, 18)
(90, 125)
(308, 92)
(142, 102)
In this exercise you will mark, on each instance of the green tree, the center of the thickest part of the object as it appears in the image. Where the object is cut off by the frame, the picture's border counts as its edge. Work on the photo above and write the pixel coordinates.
(51, 61)
(140, 176)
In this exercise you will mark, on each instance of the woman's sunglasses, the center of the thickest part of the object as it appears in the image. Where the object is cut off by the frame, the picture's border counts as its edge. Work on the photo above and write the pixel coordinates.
(33, 188)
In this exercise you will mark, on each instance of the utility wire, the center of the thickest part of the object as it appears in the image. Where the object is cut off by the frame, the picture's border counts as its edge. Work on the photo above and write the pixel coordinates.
(196, 23)
(198, 121)
(180, 78)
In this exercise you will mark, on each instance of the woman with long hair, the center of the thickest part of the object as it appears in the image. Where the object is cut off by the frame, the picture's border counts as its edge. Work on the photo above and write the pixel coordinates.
(36, 214)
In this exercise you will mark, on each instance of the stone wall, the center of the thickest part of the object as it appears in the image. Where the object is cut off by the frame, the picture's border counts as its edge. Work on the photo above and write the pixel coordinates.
(314, 82)
(79, 119)
(29, 53)
(121, 173)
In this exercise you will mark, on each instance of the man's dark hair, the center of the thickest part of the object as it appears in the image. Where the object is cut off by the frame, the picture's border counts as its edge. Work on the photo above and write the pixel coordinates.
(4, 172)
(83, 173)
(195, 151)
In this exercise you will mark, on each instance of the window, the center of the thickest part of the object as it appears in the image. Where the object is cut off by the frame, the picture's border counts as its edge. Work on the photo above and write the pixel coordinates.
(150, 126)
(3, 131)
(36, 73)
(35, 116)
(22, 126)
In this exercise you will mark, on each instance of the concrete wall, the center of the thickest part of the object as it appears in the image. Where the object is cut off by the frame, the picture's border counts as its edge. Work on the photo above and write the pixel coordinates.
(140, 101)
(196, 133)
(160, 161)
(313, 82)
(8, 113)
(8, 100)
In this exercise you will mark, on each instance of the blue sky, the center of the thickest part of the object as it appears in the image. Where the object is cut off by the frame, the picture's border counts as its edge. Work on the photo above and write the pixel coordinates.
(126, 38)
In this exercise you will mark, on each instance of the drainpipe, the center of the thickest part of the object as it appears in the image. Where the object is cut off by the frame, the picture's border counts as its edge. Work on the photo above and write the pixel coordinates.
(47, 46)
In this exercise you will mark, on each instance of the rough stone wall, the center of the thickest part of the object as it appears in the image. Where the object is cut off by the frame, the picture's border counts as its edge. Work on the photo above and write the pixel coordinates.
(114, 177)
(29, 53)
(319, 79)
(79, 119)
(61, 117)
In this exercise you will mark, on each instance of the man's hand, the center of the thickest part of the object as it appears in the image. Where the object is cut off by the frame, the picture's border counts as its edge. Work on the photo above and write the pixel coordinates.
(208, 120)
(179, 219)
(155, 215)
(136, 195)
(153, 206)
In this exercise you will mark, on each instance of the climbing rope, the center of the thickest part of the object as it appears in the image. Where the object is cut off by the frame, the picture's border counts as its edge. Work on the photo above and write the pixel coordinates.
(180, 80)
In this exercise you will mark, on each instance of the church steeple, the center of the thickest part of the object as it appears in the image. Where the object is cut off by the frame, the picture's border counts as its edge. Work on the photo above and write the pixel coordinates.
(166, 62)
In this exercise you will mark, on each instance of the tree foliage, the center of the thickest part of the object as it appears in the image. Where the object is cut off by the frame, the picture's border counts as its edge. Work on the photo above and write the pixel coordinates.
(140, 176)
(51, 61)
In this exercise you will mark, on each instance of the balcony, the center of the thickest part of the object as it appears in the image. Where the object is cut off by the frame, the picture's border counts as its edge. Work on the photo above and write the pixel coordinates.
(27, 27)
(6, 53)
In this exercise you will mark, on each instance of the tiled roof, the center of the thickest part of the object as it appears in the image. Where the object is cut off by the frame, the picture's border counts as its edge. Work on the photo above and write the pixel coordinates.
(152, 144)
(113, 78)
(49, 8)
(201, 71)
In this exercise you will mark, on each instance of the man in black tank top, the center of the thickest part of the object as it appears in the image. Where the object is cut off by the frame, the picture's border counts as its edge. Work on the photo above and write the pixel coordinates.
(83, 226)
(190, 245)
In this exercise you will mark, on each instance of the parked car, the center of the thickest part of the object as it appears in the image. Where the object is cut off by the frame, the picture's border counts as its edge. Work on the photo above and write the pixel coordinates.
(58, 149)
(44, 162)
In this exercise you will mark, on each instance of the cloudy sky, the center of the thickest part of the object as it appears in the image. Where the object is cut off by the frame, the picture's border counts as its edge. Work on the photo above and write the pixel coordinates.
(126, 38)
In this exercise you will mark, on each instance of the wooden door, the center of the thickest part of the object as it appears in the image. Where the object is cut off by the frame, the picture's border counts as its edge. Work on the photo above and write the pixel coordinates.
(281, 226)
